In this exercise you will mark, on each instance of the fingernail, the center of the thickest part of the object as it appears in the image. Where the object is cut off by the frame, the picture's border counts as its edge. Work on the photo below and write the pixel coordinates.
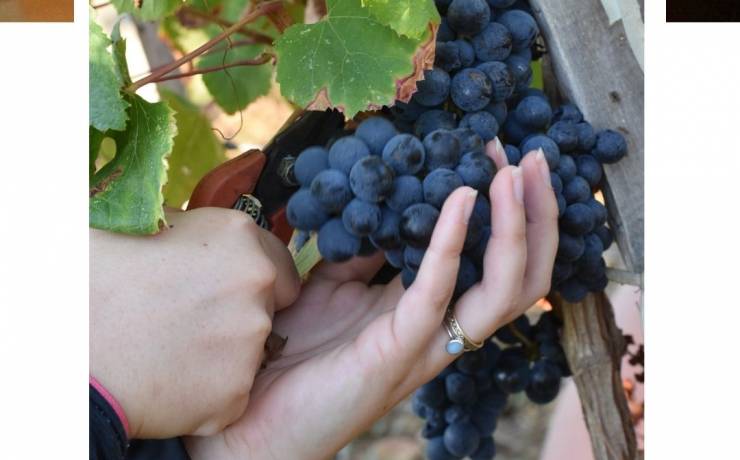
(518, 183)
(543, 167)
(469, 204)
(501, 152)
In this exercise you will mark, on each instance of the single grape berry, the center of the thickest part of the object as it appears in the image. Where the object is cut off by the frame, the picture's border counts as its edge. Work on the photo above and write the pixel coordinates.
(412, 257)
(461, 439)
(388, 235)
(498, 110)
(548, 146)
(457, 413)
(460, 388)
(417, 224)
(405, 154)
(445, 32)
(487, 449)
(471, 89)
(376, 132)
(447, 56)
(433, 89)
(564, 134)
(395, 258)
(407, 277)
(433, 120)
(586, 136)
(610, 146)
(522, 26)
(469, 140)
(589, 168)
(512, 372)
(407, 190)
(533, 112)
(493, 43)
(305, 212)
(309, 163)
(439, 184)
(347, 151)
(468, 17)
(502, 80)
(570, 247)
(467, 52)
(442, 149)
(513, 154)
(335, 243)
(568, 113)
(567, 168)
(577, 190)
(361, 218)
(544, 382)
(436, 449)
(331, 189)
(433, 393)
(521, 70)
(578, 219)
(371, 179)
(599, 211)
(483, 123)
(605, 235)
(476, 171)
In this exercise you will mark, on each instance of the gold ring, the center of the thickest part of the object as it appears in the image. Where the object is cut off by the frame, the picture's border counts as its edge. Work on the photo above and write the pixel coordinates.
(459, 340)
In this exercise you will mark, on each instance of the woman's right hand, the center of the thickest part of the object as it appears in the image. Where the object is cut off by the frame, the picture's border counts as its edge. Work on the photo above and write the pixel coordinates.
(178, 321)
(354, 351)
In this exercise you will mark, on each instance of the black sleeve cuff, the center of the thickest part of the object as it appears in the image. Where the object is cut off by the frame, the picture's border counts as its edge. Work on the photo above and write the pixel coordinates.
(108, 439)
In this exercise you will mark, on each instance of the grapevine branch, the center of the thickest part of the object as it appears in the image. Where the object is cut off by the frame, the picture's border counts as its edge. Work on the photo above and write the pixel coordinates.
(263, 58)
(261, 10)
(254, 35)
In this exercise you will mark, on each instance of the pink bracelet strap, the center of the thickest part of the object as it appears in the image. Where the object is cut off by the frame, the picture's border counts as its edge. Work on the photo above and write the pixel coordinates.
(112, 401)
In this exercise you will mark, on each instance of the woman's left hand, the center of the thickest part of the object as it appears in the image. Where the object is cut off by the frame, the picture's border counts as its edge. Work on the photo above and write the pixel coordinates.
(354, 351)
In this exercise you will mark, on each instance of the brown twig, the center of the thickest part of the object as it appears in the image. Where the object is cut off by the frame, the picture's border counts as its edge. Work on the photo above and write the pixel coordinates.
(261, 10)
(265, 57)
(100, 5)
(256, 36)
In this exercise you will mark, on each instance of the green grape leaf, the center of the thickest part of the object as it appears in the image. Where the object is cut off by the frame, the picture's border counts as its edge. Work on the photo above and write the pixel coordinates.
(119, 54)
(126, 194)
(96, 138)
(407, 17)
(151, 10)
(234, 88)
(107, 108)
(348, 60)
(195, 152)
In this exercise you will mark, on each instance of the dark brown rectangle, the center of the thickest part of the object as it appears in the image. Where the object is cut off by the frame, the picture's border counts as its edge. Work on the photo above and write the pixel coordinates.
(703, 10)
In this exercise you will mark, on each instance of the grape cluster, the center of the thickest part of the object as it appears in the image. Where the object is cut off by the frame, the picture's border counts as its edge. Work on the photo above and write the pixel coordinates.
(381, 189)
(462, 404)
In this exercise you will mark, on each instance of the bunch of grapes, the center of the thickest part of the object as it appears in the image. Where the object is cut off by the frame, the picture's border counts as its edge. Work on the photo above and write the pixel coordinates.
(381, 187)
(462, 404)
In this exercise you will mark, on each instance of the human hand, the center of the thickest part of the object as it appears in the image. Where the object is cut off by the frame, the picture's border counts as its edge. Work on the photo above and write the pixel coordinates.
(178, 321)
(354, 351)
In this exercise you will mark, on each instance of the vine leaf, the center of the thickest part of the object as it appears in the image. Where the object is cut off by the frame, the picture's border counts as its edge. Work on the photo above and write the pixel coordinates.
(96, 138)
(150, 10)
(235, 88)
(407, 17)
(126, 194)
(348, 60)
(107, 107)
(119, 54)
(196, 150)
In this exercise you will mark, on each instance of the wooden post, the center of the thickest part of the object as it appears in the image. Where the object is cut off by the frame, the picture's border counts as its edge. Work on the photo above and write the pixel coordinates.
(594, 347)
(596, 69)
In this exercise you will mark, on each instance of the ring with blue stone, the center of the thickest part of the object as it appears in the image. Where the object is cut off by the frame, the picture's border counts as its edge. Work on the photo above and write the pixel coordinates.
(459, 341)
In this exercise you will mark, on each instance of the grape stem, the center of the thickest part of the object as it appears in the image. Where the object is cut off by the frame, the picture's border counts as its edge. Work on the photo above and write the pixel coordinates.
(527, 343)
(263, 58)
(254, 35)
(261, 10)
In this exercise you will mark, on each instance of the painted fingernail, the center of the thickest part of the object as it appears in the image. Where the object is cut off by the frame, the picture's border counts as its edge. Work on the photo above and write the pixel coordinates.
(501, 153)
(469, 204)
(518, 183)
(544, 168)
